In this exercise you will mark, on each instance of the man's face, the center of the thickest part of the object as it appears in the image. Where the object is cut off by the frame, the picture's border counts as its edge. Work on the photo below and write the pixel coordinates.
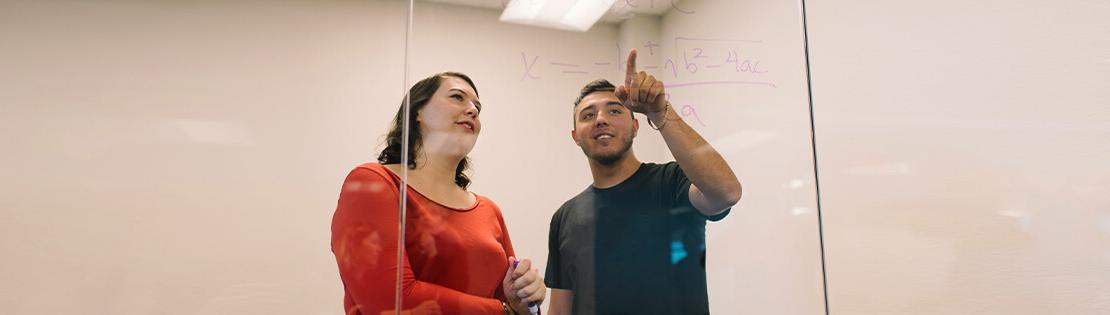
(603, 128)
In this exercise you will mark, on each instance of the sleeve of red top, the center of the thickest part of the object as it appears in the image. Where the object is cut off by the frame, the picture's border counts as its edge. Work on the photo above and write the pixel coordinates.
(507, 244)
(364, 240)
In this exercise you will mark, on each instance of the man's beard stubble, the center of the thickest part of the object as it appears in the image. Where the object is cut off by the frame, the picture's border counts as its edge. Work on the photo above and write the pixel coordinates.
(607, 160)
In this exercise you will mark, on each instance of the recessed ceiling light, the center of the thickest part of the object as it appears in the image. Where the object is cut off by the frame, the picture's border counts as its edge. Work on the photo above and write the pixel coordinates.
(575, 15)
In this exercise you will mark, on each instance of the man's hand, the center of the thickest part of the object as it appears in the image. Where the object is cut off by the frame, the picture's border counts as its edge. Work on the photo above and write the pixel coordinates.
(641, 92)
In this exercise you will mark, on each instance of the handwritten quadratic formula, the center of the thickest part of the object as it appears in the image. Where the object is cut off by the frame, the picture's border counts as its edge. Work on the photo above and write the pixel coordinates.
(694, 62)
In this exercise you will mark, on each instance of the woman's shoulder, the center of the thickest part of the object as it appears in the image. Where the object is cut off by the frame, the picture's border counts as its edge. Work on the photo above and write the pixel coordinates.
(374, 166)
(371, 172)
(485, 202)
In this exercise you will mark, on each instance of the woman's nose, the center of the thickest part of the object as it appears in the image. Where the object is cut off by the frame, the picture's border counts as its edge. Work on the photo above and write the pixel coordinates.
(472, 111)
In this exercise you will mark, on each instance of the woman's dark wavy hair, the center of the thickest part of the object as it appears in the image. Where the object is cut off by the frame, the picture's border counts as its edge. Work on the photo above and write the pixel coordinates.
(419, 94)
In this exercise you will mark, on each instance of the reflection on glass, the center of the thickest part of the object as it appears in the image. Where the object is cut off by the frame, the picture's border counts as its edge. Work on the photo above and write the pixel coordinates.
(609, 188)
(456, 257)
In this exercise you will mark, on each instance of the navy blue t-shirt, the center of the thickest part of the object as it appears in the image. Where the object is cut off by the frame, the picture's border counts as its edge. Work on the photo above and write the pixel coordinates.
(634, 248)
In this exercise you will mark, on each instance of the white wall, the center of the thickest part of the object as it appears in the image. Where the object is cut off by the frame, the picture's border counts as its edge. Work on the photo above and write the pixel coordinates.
(184, 157)
(964, 157)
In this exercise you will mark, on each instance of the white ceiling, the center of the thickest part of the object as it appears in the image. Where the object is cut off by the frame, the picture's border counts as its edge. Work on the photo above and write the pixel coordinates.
(617, 13)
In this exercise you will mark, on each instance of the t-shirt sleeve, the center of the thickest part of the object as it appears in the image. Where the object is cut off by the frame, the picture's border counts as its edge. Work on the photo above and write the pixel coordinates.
(553, 276)
(679, 185)
(364, 241)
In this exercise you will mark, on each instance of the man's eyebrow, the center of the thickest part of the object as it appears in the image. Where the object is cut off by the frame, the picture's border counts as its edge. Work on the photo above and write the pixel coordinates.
(585, 107)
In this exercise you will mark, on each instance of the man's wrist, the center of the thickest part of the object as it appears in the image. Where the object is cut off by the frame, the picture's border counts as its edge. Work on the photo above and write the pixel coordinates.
(657, 120)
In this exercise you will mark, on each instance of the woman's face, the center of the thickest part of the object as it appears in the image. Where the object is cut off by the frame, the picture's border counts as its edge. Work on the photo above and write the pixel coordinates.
(449, 121)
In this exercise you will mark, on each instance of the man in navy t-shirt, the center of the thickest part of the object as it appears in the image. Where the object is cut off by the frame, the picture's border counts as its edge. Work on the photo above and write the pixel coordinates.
(633, 242)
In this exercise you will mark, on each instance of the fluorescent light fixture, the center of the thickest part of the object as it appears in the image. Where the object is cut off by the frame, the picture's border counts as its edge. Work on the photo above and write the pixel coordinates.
(575, 15)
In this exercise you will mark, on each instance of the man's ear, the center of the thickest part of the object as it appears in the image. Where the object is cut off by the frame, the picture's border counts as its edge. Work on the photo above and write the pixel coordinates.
(574, 136)
(635, 126)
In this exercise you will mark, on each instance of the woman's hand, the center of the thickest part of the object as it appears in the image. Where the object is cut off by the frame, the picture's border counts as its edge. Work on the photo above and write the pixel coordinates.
(523, 285)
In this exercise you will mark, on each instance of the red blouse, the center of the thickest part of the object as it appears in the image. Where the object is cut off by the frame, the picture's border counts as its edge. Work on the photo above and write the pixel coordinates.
(454, 259)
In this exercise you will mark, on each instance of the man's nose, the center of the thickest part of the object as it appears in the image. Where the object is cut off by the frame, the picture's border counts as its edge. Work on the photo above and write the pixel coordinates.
(601, 121)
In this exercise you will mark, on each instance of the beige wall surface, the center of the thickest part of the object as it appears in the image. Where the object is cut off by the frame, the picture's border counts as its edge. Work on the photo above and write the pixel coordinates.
(184, 157)
(963, 155)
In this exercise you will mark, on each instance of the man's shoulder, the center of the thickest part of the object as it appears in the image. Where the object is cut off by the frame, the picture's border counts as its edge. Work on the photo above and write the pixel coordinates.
(670, 166)
(574, 204)
(583, 197)
(659, 173)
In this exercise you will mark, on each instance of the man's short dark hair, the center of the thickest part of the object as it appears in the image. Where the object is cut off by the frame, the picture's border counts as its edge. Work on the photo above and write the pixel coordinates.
(599, 85)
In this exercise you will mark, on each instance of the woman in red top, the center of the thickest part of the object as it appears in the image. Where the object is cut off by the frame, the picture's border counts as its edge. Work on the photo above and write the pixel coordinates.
(457, 256)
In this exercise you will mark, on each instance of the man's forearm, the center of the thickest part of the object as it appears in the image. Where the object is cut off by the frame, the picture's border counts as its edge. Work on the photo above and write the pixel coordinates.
(561, 302)
(706, 169)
